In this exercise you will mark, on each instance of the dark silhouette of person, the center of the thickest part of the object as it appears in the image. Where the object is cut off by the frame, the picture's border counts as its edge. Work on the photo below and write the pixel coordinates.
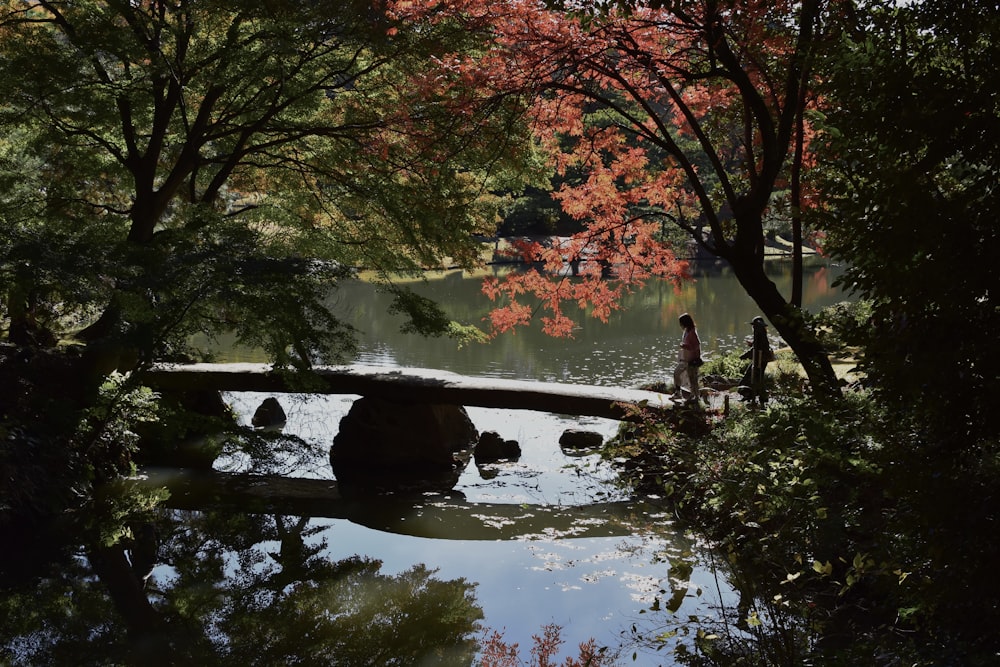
(752, 385)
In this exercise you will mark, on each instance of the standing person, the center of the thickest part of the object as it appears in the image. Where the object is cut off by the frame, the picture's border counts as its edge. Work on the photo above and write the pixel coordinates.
(752, 384)
(688, 358)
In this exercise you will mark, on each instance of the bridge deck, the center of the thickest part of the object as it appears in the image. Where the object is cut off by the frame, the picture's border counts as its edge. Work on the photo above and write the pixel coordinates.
(409, 384)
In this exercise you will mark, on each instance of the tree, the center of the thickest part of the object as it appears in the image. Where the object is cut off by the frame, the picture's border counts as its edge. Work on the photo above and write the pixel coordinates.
(693, 113)
(178, 167)
(215, 166)
(911, 172)
(243, 589)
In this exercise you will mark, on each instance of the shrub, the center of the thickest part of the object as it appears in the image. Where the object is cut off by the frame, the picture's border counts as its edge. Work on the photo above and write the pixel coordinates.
(727, 365)
(844, 324)
(498, 653)
(793, 497)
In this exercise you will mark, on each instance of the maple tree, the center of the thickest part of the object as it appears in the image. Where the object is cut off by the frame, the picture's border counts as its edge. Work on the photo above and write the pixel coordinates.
(689, 113)
(189, 167)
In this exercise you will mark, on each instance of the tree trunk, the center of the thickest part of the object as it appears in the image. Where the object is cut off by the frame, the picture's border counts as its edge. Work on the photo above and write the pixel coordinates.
(104, 326)
(796, 198)
(789, 322)
(125, 590)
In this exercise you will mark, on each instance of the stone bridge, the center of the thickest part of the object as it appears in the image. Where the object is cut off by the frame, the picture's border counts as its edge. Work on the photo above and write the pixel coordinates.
(413, 385)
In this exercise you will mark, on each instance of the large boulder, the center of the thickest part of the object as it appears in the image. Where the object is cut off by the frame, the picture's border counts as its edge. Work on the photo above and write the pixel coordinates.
(491, 448)
(576, 439)
(269, 414)
(382, 443)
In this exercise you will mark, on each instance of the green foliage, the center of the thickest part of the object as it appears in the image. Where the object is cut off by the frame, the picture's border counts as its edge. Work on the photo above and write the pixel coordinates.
(536, 213)
(218, 168)
(172, 169)
(425, 316)
(467, 334)
(52, 271)
(844, 324)
(107, 432)
(727, 365)
(57, 442)
(841, 529)
(912, 149)
(241, 589)
(786, 466)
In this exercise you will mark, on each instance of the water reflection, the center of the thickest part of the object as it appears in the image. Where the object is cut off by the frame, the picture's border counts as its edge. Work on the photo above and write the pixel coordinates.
(446, 516)
(546, 539)
(400, 581)
(637, 345)
(638, 580)
(235, 589)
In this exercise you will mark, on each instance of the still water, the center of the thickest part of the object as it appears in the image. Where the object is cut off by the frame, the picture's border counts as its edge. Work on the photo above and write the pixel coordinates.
(637, 345)
(591, 586)
(548, 539)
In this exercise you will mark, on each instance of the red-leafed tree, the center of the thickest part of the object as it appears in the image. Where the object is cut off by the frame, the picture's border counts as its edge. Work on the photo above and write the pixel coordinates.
(690, 113)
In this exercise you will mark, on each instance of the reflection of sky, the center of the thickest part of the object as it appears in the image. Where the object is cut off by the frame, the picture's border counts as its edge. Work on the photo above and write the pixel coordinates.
(593, 587)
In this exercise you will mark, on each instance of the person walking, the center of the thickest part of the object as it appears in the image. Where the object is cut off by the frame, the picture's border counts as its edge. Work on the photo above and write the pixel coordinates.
(688, 360)
(759, 354)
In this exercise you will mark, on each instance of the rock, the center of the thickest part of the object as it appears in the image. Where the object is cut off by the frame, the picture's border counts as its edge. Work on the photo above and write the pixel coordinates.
(578, 439)
(269, 414)
(207, 402)
(488, 472)
(491, 448)
(195, 441)
(386, 440)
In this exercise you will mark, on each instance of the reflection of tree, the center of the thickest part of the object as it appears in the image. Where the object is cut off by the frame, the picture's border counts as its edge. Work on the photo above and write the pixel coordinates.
(753, 629)
(242, 590)
(353, 616)
(50, 618)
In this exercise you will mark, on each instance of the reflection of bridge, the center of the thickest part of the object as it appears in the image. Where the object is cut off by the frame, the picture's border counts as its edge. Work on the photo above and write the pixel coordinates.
(414, 384)
(433, 516)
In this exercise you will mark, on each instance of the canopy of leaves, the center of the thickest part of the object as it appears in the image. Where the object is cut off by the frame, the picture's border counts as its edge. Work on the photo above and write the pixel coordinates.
(914, 153)
(178, 158)
(678, 115)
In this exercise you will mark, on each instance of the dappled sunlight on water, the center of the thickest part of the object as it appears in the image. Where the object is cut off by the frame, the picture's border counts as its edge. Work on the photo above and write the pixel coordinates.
(538, 574)
(549, 538)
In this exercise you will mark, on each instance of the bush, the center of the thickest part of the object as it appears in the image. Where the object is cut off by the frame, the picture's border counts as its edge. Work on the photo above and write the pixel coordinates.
(60, 436)
(727, 365)
(844, 324)
(805, 504)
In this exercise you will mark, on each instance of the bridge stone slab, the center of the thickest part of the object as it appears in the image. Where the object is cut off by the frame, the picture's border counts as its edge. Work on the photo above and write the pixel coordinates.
(413, 384)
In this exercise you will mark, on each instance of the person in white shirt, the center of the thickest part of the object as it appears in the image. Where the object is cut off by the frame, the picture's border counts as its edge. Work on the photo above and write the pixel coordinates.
(689, 359)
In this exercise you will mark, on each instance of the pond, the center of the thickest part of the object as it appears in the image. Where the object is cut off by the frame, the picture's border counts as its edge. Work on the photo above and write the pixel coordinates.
(411, 580)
